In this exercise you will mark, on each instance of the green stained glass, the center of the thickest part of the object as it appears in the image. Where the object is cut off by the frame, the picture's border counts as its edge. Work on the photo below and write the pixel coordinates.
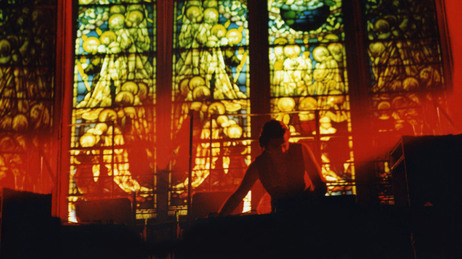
(309, 88)
(110, 2)
(113, 120)
(211, 77)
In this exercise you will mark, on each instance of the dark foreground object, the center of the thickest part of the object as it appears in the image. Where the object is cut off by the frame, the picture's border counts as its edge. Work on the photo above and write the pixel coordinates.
(332, 230)
(337, 228)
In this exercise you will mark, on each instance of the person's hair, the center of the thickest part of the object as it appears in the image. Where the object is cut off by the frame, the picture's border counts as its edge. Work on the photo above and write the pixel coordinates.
(272, 129)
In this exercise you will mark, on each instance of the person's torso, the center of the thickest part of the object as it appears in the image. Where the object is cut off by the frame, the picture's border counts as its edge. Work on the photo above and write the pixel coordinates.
(282, 175)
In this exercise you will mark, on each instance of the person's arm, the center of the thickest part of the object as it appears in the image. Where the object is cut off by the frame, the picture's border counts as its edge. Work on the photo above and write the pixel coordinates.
(251, 175)
(314, 170)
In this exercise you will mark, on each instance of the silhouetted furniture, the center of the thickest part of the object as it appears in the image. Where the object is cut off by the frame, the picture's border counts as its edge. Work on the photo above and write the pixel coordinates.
(27, 228)
(113, 211)
(426, 180)
(205, 203)
(84, 241)
(337, 228)
(427, 171)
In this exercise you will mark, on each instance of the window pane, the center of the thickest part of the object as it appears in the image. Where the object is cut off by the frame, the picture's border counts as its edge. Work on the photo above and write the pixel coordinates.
(27, 85)
(309, 86)
(406, 74)
(210, 77)
(113, 120)
(405, 64)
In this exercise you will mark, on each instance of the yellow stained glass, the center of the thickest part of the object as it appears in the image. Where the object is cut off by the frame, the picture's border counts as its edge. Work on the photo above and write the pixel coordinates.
(309, 86)
(113, 117)
(210, 79)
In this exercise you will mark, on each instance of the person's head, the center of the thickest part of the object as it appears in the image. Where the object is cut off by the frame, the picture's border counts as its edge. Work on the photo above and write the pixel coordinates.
(274, 136)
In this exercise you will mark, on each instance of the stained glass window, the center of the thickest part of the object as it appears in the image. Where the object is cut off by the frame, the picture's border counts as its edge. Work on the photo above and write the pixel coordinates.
(309, 88)
(210, 79)
(114, 150)
(405, 63)
(113, 119)
(27, 73)
(406, 73)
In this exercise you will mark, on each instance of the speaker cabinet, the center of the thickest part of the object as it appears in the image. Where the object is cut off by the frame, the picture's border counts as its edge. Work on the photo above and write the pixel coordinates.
(426, 175)
(27, 228)
(427, 171)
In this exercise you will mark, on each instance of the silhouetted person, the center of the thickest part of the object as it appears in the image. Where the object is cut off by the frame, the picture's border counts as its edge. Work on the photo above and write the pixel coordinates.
(288, 171)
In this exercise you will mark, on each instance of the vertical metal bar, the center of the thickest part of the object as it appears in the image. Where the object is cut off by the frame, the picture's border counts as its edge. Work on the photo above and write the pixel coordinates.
(41, 174)
(163, 105)
(317, 139)
(112, 160)
(191, 126)
(210, 154)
